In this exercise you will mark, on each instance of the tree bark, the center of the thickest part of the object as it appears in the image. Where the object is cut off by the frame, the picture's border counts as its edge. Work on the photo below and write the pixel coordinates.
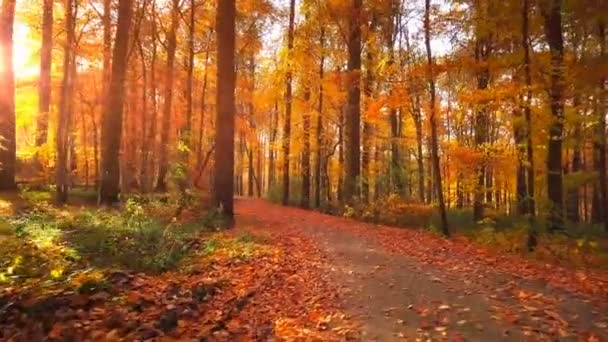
(62, 169)
(7, 98)
(113, 110)
(287, 123)
(223, 186)
(553, 31)
(529, 203)
(161, 183)
(482, 52)
(600, 139)
(305, 199)
(44, 85)
(433, 120)
(353, 113)
(319, 133)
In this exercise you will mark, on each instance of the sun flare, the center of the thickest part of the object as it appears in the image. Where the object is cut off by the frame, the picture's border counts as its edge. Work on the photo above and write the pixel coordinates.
(24, 49)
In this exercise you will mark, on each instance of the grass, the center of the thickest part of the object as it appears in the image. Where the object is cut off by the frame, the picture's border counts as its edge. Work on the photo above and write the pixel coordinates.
(44, 244)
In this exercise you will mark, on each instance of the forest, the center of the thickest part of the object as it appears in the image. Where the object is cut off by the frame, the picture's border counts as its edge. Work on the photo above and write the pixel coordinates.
(191, 169)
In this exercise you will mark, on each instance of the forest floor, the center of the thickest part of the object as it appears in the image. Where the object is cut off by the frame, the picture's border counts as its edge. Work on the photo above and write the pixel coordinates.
(403, 284)
(282, 273)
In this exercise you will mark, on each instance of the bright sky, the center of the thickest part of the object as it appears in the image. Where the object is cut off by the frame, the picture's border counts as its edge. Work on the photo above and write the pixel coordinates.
(23, 49)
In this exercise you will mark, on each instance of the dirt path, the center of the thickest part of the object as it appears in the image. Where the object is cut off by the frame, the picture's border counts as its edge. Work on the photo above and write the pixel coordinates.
(428, 287)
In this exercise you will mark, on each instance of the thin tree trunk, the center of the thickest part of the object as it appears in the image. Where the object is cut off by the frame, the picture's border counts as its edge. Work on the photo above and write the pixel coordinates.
(417, 116)
(44, 85)
(287, 123)
(530, 203)
(600, 140)
(367, 125)
(201, 128)
(482, 52)
(65, 107)
(433, 122)
(319, 150)
(305, 199)
(271, 148)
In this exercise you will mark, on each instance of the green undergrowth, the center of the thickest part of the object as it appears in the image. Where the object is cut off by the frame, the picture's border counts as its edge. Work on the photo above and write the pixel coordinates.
(45, 245)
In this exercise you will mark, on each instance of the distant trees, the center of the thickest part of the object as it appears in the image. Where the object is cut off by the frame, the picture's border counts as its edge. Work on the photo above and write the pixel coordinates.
(7, 97)
(353, 109)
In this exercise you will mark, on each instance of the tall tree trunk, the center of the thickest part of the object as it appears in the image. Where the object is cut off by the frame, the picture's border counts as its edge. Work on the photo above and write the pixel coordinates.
(7, 98)
(367, 125)
(482, 52)
(433, 120)
(319, 150)
(201, 127)
(223, 186)
(600, 139)
(44, 85)
(305, 199)
(553, 31)
(145, 146)
(287, 123)
(341, 141)
(529, 205)
(113, 110)
(253, 136)
(271, 148)
(62, 168)
(107, 47)
(161, 184)
(417, 116)
(353, 114)
(186, 130)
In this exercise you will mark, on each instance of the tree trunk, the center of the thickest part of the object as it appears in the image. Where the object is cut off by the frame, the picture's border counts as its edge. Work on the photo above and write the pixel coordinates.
(201, 127)
(305, 199)
(417, 116)
(433, 122)
(65, 107)
(353, 114)
(186, 131)
(600, 140)
(107, 47)
(113, 110)
(553, 32)
(161, 184)
(271, 148)
(287, 123)
(223, 186)
(44, 85)
(482, 52)
(367, 125)
(319, 151)
(527, 194)
(7, 98)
